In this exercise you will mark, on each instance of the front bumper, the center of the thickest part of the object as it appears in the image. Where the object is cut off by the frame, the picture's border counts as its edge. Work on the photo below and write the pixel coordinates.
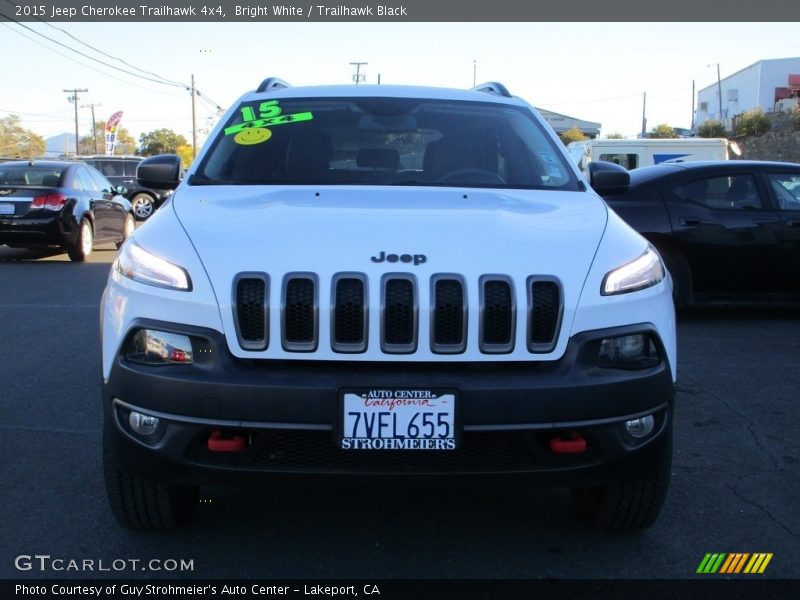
(507, 414)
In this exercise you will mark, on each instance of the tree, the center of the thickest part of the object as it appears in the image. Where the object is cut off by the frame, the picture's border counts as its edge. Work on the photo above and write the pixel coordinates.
(573, 135)
(711, 128)
(662, 131)
(615, 136)
(160, 141)
(18, 142)
(751, 122)
(186, 153)
(125, 143)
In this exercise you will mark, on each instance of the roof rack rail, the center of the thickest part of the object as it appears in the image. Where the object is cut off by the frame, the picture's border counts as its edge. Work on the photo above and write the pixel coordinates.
(493, 87)
(270, 84)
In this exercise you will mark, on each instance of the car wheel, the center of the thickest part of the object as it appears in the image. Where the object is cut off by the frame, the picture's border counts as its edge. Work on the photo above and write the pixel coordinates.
(631, 505)
(147, 505)
(127, 230)
(143, 206)
(678, 267)
(83, 248)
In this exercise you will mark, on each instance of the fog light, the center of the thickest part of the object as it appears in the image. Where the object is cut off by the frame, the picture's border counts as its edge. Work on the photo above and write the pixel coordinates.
(640, 427)
(636, 351)
(143, 424)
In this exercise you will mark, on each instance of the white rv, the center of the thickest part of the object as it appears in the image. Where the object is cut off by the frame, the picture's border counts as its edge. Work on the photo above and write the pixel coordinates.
(641, 152)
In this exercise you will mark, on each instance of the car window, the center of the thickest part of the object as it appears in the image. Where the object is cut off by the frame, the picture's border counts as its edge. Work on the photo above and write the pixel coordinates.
(30, 175)
(102, 184)
(384, 141)
(109, 168)
(629, 161)
(787, 190)
(84, 180)
(730, 192)
(130, 167)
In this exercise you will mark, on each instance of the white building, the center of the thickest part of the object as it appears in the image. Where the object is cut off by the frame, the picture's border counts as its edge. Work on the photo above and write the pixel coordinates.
(761, 85)
(563, 123)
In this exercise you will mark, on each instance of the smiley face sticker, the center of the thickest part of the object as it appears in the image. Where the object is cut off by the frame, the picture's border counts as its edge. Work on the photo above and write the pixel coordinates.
(252, 135)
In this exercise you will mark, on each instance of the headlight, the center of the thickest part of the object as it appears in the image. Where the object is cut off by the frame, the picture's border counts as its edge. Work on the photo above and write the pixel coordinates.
(645, 271)
(138, 264)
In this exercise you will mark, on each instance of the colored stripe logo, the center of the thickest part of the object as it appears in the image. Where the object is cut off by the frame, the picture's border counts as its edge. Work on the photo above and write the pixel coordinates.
(734, 563)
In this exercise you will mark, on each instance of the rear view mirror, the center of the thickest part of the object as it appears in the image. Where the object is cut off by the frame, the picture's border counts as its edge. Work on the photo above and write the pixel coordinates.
(121, 190)
(608, 179)
(162, 172)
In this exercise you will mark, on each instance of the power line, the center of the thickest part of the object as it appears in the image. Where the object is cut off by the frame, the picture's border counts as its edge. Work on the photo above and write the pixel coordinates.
(97, 60)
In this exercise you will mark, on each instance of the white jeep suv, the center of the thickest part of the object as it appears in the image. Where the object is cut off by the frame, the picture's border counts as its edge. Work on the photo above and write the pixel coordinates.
(386, 280)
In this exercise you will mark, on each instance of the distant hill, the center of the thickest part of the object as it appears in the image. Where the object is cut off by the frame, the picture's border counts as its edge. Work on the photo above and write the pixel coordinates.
(58, 145)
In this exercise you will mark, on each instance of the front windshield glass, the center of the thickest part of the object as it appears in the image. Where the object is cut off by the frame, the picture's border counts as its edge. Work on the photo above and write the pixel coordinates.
(384, 141)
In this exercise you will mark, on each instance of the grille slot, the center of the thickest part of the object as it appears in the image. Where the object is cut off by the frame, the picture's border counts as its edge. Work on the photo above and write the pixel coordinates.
(300, 313)
(251, 310)
(448, 315)
(349, 314)
(399, 315)
(498, 315)
(544, 314)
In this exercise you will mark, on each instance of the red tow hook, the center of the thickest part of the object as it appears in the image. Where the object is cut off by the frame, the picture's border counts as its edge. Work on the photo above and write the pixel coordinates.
(573, 443)
(217, 442)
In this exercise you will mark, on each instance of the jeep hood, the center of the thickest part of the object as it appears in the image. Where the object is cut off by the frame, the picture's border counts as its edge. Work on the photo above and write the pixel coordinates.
(326, 230)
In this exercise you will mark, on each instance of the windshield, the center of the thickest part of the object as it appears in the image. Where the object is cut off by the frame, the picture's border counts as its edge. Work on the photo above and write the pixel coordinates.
(384, 141)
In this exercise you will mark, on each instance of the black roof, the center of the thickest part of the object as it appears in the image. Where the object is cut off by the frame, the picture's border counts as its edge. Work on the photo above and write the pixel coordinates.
(643, 174)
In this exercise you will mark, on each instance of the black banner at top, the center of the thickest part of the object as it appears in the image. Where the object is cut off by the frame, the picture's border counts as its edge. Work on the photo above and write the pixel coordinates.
(397, 11)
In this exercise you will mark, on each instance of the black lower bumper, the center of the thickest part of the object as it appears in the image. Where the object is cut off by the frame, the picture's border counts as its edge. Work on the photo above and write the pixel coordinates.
(288, 414)
(58, 230)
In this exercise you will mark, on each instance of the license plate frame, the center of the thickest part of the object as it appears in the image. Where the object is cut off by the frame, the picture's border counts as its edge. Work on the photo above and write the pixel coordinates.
(436, 421)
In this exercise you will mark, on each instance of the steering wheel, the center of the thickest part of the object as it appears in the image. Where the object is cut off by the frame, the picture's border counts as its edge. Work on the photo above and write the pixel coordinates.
(471, 176)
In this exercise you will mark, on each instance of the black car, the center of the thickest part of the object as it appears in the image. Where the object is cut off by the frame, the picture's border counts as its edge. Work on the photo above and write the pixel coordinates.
(727, 230)
(62, 204)
(121, 170)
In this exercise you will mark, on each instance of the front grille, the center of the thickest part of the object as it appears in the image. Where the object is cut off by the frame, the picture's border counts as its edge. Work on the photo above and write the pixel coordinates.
(349, 331)
(444, 320)
(544, 314)
(399, 316)
(251, 311)
(497, 315)
(449, 316)
(300, 313)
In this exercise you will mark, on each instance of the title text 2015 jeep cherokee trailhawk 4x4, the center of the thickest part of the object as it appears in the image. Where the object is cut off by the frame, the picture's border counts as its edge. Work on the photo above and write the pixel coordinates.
(386, 280)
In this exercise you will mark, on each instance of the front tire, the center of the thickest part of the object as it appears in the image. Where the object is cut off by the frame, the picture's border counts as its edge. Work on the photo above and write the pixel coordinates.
(143, 206)
(85, 244)
(631, 505)
(146, 505)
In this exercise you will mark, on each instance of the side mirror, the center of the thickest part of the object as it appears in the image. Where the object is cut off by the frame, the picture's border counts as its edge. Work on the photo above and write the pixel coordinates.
(121, 190)
(608, 179)
(162, 172)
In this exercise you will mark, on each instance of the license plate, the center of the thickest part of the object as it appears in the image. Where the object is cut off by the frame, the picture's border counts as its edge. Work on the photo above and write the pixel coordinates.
(398, 419)
(6, 209)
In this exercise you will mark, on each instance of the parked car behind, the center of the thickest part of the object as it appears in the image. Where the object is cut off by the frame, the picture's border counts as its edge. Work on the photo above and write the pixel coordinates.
(61, 204)
(727, 230)
(121, 170)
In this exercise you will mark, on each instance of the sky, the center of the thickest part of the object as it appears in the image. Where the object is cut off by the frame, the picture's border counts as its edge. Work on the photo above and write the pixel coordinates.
(593, 71)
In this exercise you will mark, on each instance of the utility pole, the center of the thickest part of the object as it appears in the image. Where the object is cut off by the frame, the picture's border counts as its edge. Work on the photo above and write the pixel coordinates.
(94, 125)
(194, 123)
(74, 100)
(358, 77)
(719, 93)
(644, 119)
(474, 73)
(692, 104)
